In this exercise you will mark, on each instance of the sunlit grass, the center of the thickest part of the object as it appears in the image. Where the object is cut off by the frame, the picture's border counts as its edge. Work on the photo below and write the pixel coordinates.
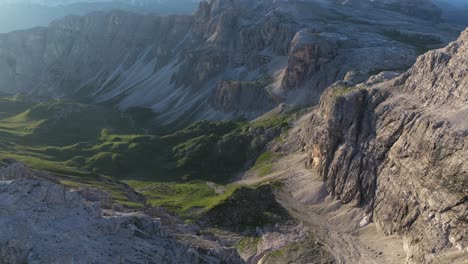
(97, 147)
(186, 199)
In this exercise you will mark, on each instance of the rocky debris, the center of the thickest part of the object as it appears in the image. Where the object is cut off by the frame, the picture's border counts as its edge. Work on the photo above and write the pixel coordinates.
(42, 222)
(14, 170)
(382, 76)
(168, 219)
(399, 149)
(353, 78)
(97, 196)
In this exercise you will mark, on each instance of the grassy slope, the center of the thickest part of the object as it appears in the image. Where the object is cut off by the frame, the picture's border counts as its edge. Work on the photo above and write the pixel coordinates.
(95, 146)
(306, 251)
(421, 43)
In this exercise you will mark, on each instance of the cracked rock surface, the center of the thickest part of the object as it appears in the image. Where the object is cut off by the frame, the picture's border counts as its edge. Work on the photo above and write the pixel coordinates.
(42, 222)
(400, 150)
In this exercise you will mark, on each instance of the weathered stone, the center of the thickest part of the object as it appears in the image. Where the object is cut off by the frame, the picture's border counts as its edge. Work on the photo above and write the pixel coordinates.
(42, 222)
(400, 150)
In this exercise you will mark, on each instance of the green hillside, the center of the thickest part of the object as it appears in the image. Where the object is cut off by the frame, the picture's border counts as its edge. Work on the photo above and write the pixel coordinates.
(98, 146)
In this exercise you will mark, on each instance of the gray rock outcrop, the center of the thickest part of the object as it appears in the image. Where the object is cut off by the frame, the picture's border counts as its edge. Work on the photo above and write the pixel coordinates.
(399, 149)
(42, 222)
(244, 96)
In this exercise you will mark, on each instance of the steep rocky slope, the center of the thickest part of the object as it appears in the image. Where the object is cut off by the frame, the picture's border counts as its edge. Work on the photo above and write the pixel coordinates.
(399, 150)
(218, 62)
(41, 222)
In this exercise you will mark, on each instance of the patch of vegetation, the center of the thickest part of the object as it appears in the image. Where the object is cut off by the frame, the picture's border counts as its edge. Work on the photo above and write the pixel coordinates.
(261, 81)
(338, 16)
(306, 251)
(62, 122)
(96, 146)
(280, 121)
(248, 245)
(421, 43)
(339, 91)
(11, 105)
(248, 208)
(264, 164)
(189, 199)
(285, 18)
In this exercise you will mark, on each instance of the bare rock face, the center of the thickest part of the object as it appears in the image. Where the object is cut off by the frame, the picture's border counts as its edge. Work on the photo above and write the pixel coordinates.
(42, 222)
(61, 58)
(399, 149)
(309, 53)
(16, 170)
(441, 77)
(244, 96)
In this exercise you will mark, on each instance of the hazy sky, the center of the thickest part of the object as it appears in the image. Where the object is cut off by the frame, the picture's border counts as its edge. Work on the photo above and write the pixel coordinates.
(22, 14)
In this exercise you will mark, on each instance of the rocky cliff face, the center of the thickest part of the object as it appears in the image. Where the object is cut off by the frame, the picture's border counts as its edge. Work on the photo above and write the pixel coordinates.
(399, 149)
(176, 64)
(310, 52)
(233, 96)
(42, 222)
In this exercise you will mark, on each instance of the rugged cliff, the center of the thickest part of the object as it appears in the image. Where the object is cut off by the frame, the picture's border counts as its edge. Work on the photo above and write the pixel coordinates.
(399, 149)
(182, 67)
(42, 222)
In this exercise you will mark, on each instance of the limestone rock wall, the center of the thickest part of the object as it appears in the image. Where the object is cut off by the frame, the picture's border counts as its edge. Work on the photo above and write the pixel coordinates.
(399, 149)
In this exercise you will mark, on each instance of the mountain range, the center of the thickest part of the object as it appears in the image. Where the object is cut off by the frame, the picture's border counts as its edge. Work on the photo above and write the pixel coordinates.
(208, 66)
(17, 15)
